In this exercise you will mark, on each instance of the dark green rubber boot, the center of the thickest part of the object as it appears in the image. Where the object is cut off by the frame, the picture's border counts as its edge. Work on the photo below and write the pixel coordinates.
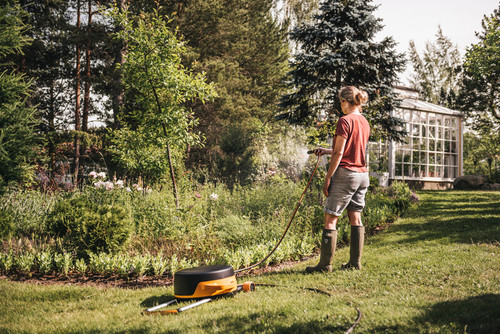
(356, 248)
(328, 246)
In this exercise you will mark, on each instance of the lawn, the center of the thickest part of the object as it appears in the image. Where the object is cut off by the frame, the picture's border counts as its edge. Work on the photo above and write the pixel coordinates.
(436, 270)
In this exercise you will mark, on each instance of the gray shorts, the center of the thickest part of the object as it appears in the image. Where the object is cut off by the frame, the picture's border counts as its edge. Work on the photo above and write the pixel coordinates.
(347, 190)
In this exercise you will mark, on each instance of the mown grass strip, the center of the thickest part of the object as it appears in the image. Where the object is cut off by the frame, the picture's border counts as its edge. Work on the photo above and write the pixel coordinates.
(434, 271)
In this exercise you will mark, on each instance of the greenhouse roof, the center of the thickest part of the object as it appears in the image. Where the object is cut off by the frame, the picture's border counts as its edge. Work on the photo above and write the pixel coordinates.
(411, 101)
(415, 104)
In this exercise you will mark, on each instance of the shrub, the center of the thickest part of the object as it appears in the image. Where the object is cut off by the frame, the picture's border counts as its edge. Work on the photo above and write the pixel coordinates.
(44, 261)
(63, 263)
(25, 263)
(27, 211)
(401, 194)
(6, 224)
(86, 227)
(6, 262)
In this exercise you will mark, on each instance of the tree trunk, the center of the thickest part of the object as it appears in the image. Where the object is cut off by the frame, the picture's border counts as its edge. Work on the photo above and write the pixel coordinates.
(76, 163)
(117, 90)
(174, 184)
(86, 97)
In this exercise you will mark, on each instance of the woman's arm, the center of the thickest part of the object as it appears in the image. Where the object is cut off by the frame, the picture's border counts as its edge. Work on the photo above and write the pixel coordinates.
(337, 152)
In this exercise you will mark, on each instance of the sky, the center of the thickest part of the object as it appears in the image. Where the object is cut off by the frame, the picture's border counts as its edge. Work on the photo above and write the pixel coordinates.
(418, 20)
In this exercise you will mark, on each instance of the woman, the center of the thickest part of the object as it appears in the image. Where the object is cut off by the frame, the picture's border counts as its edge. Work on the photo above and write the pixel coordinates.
(347, 179)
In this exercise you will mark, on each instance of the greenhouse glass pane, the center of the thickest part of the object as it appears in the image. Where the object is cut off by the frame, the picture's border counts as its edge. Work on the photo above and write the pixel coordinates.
(439, 171)
(424, 131)
(446, 173)
(398, 170)
(454, 122)
(407, 155)
(423, 158)
(415, 171)
(439, 146)
(439, 159)
(432, 132)
(454, 172)
(432, 171)
(446, 133)
(415, 130)
(447, 122)
(454, 147)
(415, 157)
(432, 145)
(439, 120)
(406, 170)
(447, 146)
(453, 135)
(415, 116)
(432, 119)
(439, 133)
(423, 117)
(415, 142)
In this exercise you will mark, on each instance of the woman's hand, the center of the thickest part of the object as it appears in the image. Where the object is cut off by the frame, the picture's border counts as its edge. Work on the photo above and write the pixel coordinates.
(319, 151)
(326, 186)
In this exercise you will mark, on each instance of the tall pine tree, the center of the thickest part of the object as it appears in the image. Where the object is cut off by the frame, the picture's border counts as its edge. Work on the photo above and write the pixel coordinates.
(437, 71)
(243, 50)
(339, 49)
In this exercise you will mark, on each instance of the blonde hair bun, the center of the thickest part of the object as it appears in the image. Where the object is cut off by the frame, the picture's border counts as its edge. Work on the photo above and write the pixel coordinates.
(353, 95)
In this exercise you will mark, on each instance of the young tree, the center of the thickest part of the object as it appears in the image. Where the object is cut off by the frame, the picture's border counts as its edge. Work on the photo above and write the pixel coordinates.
(336, 50)
(480, 87)
(158, 87)
(437, 71)
(18, 141)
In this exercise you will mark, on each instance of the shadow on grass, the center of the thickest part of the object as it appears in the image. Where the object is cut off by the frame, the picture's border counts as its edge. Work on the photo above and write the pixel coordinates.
(478, 314)
(257, 322)
(457, 216)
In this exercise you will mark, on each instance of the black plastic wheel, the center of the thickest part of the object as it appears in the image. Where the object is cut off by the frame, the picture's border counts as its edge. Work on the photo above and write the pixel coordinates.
(186, 280)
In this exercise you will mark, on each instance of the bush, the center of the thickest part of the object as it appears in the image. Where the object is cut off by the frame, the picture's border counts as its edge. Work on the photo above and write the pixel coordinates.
(6, 223)
(401, 194)
(86, 227)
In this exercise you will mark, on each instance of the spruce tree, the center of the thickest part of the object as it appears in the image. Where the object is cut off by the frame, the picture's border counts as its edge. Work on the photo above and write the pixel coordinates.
(18, 141)
(339, 49)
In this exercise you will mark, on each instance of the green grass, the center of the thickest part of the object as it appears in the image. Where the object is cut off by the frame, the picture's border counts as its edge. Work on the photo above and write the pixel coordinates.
(437, 270)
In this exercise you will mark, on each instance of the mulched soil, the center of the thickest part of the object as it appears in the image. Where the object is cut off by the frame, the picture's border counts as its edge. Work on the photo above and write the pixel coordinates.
(146, 281)
(132, 283)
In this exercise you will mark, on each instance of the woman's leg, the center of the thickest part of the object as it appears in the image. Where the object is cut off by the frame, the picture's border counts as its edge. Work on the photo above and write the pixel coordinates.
(328, 245)
(357, 240)
(354, 218)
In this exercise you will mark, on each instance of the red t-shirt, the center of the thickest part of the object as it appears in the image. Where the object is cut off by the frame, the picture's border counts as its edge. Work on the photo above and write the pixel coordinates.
(355, 128)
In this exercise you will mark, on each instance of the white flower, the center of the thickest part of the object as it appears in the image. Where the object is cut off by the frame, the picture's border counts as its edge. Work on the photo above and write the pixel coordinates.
(128, 189)
(109, 185)
(119, 183)
(93, 174)
(149, 190)
(101, 175)
(214, 196)
(99, 184)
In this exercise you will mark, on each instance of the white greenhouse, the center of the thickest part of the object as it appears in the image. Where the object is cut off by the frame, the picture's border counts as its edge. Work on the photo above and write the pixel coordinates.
(431, 155)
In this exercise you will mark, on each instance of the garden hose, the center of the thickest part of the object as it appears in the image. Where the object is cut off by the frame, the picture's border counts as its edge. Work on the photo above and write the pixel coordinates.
(250, 286)
(289, 222)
